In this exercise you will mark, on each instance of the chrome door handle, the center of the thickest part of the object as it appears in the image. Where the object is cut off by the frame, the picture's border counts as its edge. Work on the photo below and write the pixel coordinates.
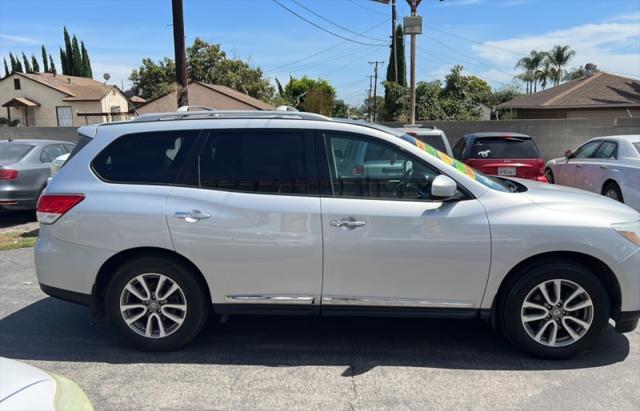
(603, 167)
(192, 216)
(579, 165)
(348, 222)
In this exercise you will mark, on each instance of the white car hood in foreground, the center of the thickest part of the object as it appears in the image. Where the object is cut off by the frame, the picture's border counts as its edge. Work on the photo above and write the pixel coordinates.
(23, 387)
(563, 198)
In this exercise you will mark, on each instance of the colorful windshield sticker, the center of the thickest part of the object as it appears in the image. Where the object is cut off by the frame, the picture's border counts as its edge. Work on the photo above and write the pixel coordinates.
(461, 167)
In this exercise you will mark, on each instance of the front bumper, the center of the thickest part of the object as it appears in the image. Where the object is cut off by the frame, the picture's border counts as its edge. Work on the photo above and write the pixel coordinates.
(627, 321)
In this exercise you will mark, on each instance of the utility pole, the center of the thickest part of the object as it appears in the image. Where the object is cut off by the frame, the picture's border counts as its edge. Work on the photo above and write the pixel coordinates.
(375, 85)
(413, 26)
(181, 60)
(369, 99)
(393, 40)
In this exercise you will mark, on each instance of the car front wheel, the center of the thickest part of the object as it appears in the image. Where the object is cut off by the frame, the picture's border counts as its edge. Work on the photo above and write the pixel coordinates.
(555, 310)
(156, 304)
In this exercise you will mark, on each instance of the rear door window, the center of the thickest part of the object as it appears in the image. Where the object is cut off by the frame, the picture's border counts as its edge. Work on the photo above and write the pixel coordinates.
(504, 148)
(257, 161)
(146, 158)
(607, 150)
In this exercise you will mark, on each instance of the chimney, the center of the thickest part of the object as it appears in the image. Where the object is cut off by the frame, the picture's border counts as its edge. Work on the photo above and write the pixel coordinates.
(590, 68)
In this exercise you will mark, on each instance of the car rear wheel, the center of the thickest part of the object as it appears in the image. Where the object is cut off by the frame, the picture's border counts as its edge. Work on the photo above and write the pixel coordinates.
(612, 191)
(549, 175)
(555, 310)
(156, 304)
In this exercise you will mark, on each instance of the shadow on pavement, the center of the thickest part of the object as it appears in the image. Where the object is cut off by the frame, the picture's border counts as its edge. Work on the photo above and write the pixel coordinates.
(11, 218)
(53, 330)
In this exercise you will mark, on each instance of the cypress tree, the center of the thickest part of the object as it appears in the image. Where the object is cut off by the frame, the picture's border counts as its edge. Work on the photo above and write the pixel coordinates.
(6, 68)
(27, 66)
(67, 63)
(18, 66)
(63, 61)
(76, 67)
(13, 63)
(45, 62)
(34, 64)
(52, 66)
(86, 63)
(402, 68)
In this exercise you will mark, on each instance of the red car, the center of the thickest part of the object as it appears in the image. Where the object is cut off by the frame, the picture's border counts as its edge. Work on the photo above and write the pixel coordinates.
(501, 154)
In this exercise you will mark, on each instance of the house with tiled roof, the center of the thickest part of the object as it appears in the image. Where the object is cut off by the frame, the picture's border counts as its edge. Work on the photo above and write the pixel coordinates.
(54, 100)
(599, 96)
(205, 95)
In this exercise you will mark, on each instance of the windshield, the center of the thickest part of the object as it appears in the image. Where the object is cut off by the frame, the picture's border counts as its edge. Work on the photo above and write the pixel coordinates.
(458, 166)
(503, 147)
(13, 151)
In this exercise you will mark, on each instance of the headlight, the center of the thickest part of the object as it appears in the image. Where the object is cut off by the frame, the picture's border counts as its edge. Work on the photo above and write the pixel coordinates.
(631, 231)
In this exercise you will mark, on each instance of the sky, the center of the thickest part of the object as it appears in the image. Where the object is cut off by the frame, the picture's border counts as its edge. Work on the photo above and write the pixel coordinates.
(487, 37)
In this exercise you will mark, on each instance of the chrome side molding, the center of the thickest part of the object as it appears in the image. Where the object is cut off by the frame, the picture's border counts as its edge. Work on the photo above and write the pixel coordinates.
(269, 299)
(394, 302)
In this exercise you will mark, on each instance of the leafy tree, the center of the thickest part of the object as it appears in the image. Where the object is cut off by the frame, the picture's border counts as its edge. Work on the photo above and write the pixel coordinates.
(52, 66)
(402, 67)
(307, 94)
(34, 64)
(575, 73)
(45, 62)
(27, 66)
(370, 104)
(18, 66)
(67, 62)
(340, 109)
(396, 101)
(153, 79)
(428, 104)
(77, 66)
(6, 68)
(86, 63)
(503, 95)
(14, 64)
(63, 61)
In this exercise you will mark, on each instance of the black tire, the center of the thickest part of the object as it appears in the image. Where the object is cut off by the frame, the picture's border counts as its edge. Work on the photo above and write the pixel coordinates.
(195, 296)
(612, 190)
(549, 175)
(511, 307)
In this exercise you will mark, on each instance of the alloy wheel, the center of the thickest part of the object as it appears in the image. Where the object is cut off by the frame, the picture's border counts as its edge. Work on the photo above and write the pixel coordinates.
(557, 313)
(153, 305)
(612, 193)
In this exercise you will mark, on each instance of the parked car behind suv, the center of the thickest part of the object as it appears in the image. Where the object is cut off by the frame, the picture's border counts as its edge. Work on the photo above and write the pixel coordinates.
(25, 166)
(435, 137)
(157, 219)
(501, 154)
(604, 165)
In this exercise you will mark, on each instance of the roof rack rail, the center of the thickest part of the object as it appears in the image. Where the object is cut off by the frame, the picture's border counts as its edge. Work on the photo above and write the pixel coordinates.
(229, 114)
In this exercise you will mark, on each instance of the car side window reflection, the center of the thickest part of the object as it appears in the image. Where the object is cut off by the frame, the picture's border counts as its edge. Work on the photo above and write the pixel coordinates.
(607, 150)
(587, 150)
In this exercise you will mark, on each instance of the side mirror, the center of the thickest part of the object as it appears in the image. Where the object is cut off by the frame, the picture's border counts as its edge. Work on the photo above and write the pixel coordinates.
(567, 153)
(443, 187)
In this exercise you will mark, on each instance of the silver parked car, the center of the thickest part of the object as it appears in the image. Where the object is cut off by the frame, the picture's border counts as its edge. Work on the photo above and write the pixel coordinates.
(155, 220)
(25, 166)
(605, 165)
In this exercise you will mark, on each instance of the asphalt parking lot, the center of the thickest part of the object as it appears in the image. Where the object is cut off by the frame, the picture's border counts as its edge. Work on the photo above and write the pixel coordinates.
(308, 363)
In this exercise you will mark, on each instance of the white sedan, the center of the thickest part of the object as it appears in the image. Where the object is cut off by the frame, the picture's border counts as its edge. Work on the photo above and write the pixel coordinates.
(605, 165)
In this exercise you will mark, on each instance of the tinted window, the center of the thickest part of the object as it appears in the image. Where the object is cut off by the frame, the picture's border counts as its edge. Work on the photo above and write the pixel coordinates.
(13, 151)
(83, 141)
(362, 167)
(51, 152)
(255, 161)
(504, 147)
(153, 158)
(608, 149)
(587, 150)
(459, 148)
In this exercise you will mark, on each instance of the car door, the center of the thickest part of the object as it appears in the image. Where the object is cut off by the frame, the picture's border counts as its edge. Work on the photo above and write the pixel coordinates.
(248, 215)
(590, 176)
(388, 244)
(566, 174)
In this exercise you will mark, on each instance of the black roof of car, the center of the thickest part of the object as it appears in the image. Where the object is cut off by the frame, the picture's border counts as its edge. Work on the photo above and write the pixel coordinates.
(487, 134)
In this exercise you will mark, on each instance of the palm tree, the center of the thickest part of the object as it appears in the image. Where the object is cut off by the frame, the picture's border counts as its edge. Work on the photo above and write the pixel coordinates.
(528, 65)
(531, 65)
(559, 56)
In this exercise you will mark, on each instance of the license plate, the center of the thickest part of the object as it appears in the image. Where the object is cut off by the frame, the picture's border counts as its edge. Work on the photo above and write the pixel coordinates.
(506, 171)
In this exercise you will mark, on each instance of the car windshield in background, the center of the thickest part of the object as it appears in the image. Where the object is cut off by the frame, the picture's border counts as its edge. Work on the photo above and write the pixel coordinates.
(13, 151)
(637, 146)
(458, 166)
(503, 147)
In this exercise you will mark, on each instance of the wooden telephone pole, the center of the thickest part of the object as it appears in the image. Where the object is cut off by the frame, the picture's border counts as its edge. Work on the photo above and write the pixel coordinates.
(375, 86)
(181, 59)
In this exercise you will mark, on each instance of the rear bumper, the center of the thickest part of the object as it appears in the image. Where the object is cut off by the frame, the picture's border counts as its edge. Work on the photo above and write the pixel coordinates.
(627, 321)
(18, 200)
(66, 295)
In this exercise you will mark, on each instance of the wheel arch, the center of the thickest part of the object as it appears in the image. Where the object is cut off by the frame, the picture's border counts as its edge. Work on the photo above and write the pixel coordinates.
(608, 181)
(600, 269)
(109, 267)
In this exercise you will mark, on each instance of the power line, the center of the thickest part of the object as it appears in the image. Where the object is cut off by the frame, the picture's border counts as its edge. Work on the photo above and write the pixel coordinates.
(322, 28)
(335, 24)
(325, 50)
(366, 8)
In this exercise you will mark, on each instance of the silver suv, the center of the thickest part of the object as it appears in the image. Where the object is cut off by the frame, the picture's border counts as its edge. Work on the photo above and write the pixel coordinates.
(163, 221)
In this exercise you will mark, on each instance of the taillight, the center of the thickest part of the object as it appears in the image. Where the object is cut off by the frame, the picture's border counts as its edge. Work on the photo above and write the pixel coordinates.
(53, 206)
(8, 174)
(358, 170)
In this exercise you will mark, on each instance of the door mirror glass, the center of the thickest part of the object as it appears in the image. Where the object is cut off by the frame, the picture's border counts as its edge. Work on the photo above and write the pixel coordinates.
(567, 153)
(443, 187)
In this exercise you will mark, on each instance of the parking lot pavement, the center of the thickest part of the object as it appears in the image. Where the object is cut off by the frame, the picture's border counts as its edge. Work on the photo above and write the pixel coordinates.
(308, 363)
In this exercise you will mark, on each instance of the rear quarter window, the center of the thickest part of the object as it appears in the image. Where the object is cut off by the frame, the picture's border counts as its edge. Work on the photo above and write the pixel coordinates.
(503, 147)
(146, 158)
(436, 142)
